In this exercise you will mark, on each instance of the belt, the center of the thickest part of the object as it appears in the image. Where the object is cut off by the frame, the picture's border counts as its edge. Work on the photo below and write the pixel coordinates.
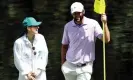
(81, 65)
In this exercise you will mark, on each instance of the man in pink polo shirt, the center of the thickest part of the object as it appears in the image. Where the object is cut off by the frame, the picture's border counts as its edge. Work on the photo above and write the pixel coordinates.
(78, 43)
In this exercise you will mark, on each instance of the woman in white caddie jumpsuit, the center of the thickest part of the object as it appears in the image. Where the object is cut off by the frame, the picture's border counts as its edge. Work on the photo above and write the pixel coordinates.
(30, 52)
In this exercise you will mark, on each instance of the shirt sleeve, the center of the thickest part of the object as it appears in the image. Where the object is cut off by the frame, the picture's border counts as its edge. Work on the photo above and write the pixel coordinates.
(65, 38)
(44, 60)
(19, 62)
(98, 32)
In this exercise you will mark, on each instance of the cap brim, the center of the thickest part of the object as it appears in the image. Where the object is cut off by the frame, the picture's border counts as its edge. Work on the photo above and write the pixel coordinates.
(38, 23)
(76, 10)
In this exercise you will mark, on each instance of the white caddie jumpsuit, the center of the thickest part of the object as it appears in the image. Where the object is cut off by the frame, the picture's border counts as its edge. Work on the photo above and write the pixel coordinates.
(27, 59)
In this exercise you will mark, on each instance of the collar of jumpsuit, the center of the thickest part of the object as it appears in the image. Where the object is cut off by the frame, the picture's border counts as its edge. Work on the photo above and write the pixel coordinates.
(27, 40)
(29, 43)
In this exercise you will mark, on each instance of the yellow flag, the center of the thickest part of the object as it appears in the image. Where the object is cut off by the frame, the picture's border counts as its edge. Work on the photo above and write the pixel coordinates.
(99, 6)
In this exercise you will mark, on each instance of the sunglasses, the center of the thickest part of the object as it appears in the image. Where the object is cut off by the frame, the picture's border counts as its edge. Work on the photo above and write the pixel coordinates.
(33, 48)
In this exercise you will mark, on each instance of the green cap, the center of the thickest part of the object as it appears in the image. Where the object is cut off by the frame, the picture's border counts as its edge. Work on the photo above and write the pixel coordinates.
(30, 21)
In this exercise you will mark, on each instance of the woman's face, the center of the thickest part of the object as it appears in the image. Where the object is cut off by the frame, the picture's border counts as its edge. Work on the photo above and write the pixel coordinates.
(33, 30)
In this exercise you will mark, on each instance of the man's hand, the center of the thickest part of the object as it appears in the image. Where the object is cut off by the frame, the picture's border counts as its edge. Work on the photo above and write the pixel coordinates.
(104, 18)
(106, 30)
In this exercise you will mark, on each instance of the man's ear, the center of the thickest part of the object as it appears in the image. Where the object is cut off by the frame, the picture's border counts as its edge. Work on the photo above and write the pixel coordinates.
(84, 11)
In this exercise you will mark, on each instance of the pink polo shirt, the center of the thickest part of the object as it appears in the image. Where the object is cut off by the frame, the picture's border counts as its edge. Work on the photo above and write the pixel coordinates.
(81, 40)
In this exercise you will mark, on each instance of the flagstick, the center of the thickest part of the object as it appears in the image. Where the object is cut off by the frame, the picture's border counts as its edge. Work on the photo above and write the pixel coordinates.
(104, 62)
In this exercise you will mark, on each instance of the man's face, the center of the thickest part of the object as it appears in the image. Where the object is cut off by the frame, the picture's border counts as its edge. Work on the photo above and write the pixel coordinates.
(33, 29)
(78, 16)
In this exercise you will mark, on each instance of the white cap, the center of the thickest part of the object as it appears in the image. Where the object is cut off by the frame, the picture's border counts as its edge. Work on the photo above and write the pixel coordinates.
(77, 7)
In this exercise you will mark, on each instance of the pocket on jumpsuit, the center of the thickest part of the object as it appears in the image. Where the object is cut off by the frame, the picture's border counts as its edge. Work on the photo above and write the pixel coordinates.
(64, 68)
(67, 68)
(87, 68)
(25, 57)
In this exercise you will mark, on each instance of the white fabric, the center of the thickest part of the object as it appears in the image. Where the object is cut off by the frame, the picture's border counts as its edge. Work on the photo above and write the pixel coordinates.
(77, 7)
(24, 59)
(72, 72)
